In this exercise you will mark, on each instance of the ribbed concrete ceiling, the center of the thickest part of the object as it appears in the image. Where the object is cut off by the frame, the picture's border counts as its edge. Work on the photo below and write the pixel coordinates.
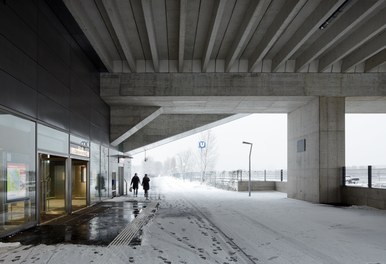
(134, 37)
(235, 35)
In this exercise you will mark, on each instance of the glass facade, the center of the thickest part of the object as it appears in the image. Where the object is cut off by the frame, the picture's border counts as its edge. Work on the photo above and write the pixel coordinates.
(104, 186)
(80, 177)
(17, 172)
(78, 184)
(52, 186)
(113, 172)
(72, 173)
(97, 184)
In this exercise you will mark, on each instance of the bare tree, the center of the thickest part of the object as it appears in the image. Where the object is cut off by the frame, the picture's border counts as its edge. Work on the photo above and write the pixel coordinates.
(151, 166)
(184, 161)
(207, 152)
(169, 167)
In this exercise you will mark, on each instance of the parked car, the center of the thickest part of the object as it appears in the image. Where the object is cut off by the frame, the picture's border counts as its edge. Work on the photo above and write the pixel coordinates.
(351, 180)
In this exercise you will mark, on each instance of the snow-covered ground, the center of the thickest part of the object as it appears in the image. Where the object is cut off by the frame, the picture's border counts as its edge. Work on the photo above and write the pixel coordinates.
(199, 224)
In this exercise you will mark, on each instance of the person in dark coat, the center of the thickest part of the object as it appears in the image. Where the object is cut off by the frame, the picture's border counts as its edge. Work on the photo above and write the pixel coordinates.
(135, 182)
(146, 185)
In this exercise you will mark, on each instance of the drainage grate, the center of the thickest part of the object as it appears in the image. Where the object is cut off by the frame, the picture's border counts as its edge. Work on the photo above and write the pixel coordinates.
(132, 229)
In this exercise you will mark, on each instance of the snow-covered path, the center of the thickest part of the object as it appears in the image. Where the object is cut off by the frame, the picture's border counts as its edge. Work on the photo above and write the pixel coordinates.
(200, 224)
(222, 227)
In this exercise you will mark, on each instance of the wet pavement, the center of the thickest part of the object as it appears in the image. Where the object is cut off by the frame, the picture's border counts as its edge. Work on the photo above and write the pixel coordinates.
(96, 225)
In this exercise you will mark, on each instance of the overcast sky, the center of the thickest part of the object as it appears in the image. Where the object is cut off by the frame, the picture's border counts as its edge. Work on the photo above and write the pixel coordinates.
(267, 132)
(365, 139)
(365, 142)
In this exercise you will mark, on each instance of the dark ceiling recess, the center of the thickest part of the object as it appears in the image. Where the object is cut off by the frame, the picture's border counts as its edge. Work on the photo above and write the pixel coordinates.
(65, 17)
(335, 14)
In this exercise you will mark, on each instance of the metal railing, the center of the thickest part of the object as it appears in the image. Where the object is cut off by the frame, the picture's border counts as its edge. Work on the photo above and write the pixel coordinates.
(229, 179)
(364, 176)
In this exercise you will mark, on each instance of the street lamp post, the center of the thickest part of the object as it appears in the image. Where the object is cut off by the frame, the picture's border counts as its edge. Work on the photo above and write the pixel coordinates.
(250, 152)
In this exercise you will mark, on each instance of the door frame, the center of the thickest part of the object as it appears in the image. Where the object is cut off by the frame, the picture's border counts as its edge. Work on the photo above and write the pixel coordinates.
(69, 185)
(38, 182)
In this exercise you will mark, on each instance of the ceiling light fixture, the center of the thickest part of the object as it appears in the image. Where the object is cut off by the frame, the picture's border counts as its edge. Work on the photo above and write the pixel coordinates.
(334, 15)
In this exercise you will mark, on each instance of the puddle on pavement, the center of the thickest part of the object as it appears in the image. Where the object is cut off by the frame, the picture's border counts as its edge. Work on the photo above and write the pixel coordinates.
(97, 227)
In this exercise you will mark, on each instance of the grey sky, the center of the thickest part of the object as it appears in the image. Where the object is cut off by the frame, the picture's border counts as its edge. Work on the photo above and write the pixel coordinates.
(365, 142)
(267, 132)
(365, 139)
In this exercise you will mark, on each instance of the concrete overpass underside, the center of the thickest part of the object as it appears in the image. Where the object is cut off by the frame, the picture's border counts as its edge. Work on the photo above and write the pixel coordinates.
(178, 67)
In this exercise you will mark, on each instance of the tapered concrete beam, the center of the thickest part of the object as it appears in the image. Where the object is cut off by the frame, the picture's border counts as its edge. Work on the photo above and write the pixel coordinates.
(212, 33)
(325, 9)
(90, 21)
(168, 128)
(375, 45)
(289, 10)
(182, 34)
(125, 121)
(251, 21)
(149, 21)
(355, 15)
(375, 61)
(364, 33)
(120, 23)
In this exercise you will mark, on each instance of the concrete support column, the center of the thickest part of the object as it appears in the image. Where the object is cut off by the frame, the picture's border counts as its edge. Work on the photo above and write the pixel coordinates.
(316, 145)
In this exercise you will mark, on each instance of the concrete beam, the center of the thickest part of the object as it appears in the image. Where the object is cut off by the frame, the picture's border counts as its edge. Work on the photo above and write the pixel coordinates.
(287, 13)
(109, 26)
(325, 9)
(364, 33)
(252, 19)
(168, 128)
(125, 121)
(89, 20)
(375, 61)
(148, 15)
(355, 15)
(248, 84)
(114, 10)
(182, 33)
(366, 104)
(212, 32)
(366, 51)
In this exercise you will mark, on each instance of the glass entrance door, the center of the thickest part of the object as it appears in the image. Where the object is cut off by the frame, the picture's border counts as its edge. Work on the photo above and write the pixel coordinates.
(52, 186)
(79, 184)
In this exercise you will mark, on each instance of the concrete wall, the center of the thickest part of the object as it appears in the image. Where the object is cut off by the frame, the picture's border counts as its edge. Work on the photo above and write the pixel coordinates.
(281, 186)
(45, 75)
(364, 196)
(331, 148)
(314, 173)
(303, 167)
(262, 186)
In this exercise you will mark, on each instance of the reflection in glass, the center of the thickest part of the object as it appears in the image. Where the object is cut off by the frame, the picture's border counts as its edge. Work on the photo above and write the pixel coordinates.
(96, 192)
(79, 184)
(17, 172)
(52, 186)
(105, 170)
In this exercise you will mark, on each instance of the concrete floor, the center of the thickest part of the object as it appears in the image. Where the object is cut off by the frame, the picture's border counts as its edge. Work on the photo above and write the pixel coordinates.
(200, 224)
(96, 225)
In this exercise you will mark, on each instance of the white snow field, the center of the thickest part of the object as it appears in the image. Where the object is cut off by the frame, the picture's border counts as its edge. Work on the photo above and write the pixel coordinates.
(200, 224)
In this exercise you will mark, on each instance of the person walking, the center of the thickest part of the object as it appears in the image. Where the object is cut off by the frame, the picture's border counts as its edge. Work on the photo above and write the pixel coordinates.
(135, 182)
(146, 185)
